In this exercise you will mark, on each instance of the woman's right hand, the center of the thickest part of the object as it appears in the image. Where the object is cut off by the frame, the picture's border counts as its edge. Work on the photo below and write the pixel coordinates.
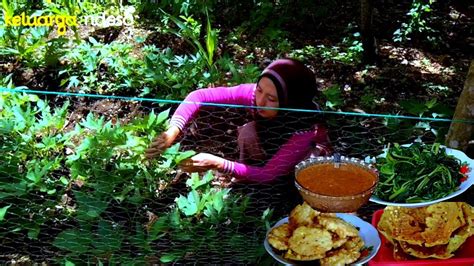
(162, 142)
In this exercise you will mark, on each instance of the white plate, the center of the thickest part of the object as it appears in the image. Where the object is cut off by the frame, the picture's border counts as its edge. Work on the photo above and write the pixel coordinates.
(463, 187)
(367, 232)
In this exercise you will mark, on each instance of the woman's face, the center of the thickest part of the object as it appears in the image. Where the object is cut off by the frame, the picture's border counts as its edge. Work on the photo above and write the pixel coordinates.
(266, 96)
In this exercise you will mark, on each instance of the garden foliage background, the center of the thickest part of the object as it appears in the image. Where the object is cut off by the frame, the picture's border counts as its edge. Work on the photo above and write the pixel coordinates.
(78, 110)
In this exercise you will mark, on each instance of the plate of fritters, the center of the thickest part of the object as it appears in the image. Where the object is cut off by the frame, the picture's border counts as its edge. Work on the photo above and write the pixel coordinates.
(440, 232)
(328, 238)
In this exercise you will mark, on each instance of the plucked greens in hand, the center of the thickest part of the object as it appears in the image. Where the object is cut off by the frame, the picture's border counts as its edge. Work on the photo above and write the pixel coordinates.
(417, 173)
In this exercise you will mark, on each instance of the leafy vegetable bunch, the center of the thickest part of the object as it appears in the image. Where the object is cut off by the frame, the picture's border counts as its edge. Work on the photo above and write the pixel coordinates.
(418, 173)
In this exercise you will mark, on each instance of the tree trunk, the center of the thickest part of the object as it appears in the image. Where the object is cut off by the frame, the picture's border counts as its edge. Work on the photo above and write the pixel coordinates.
(461, 132)
(369, 55)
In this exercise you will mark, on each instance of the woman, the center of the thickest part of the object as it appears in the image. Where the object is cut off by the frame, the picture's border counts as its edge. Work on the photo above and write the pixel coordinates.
(272, 144)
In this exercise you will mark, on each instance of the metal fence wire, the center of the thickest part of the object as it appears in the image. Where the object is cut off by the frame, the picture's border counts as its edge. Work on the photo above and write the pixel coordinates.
(74, 189)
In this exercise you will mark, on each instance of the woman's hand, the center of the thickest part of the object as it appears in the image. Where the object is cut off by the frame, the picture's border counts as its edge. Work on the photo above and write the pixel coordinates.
(202, 162)
(162, 142)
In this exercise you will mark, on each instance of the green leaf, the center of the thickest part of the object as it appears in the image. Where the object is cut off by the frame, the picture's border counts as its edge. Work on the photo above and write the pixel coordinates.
(73, 82)
(162, 116)
(443, 110)
(193, 180)
(218, 203)
(183, 156)
(9, 51)
(205, 201)
(92, 123)
(69, 263)
(33, 176)
(208, 177)
(211, 40)
(14, 190)
(64, 180)
(173, 150)
(431, 103)
(151, 119)
(196, 182)
(109, 239)
(93, 41)
(189, 205)
(33, 232)
(175, 218)
(138, 239)
(159, 228)
(3, 211)
(8, 9)
(73, 240)
(413, 107)
(167, 258)
(89, 206)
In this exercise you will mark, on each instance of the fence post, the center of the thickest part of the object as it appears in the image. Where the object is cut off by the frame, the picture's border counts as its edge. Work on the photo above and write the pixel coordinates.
(459, 133)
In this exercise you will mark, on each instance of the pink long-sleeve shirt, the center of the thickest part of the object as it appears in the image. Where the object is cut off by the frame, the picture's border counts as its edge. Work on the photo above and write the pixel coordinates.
(297, 148)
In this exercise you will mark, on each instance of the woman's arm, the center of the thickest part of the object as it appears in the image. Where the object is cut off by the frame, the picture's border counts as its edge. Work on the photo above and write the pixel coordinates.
(283, 162)
(241, 95)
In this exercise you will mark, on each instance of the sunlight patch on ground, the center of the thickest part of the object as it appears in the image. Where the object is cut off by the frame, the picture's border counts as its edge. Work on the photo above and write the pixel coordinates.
(427, 64)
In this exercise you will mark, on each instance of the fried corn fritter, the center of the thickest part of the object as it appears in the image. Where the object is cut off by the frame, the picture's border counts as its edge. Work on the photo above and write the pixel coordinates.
(342, 228)
(279, 236)
(311, 235)
(310, 241)
(435, 231)
(302, 214)
(346, 254)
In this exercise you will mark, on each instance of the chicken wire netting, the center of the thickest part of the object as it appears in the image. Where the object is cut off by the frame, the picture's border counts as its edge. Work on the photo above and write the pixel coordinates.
(75, 186)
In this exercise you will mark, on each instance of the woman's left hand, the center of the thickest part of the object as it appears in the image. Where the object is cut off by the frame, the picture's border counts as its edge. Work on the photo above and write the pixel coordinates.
(202, 162)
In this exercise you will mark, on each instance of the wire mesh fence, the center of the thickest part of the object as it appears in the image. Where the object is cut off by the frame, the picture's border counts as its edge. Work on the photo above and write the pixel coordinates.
(76, 187)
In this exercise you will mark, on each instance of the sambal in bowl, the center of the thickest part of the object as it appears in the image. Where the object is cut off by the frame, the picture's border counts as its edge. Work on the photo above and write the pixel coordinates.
(335, 183)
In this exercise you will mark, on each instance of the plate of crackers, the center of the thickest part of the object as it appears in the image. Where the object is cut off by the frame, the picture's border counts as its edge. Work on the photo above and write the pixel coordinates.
(442, 234)
(310, 236)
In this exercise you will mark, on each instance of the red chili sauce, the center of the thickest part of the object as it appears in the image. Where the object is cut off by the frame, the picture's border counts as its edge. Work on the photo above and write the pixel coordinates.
(325, 179)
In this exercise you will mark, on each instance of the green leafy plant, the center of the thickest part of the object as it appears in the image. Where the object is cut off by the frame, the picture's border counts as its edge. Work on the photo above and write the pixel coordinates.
(31, 159)
(189, 29)
(333, 97)
(87, 180)
(239, 73)
(349, 51)
(418, 22)
(110, 167)
(110, 158)
(431, 108)
(304, 53)
(369, 99)
(211, 218)
(108, 68)
(264, 27)
(30, 45)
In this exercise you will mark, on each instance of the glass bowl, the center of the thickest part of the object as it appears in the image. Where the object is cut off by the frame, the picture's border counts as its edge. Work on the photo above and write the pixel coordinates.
(338, 203)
